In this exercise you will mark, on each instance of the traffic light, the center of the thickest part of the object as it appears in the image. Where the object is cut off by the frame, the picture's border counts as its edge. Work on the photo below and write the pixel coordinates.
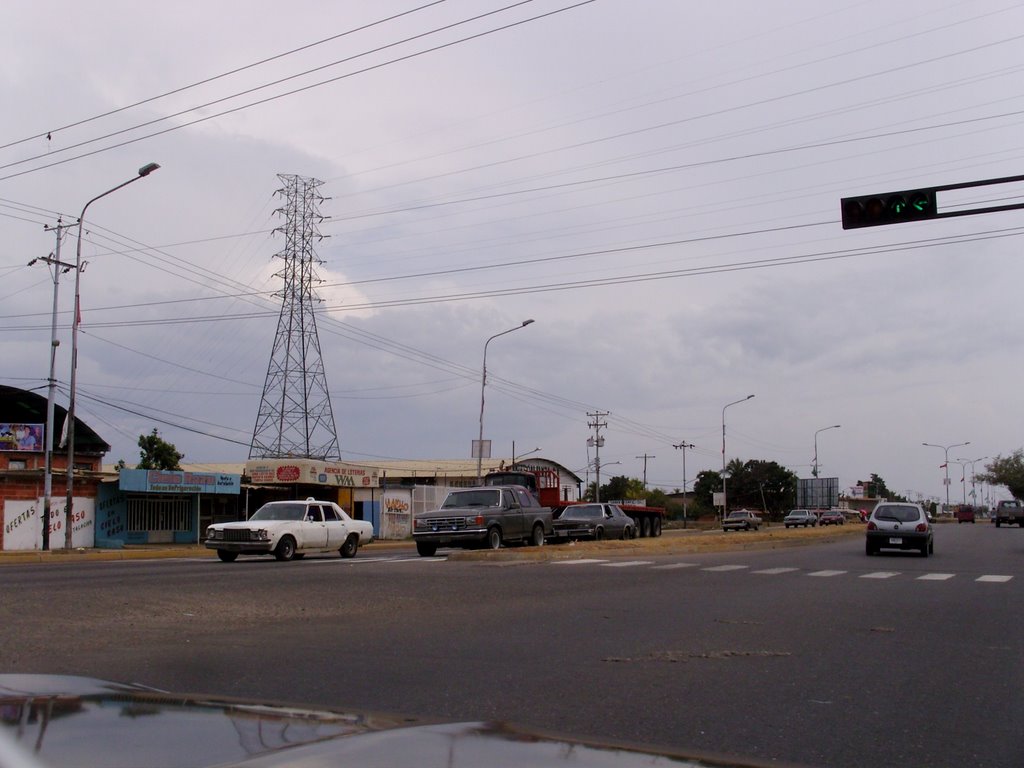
(889, 208)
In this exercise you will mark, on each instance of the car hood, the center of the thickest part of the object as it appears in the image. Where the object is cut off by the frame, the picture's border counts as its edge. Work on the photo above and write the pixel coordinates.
(49, 721)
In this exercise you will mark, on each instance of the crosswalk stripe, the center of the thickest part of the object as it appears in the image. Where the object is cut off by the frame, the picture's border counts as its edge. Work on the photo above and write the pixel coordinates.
(674, 566)
(625, 564)
(936, 577)
(880, 575)
(775, 571)
(723, 568)
(997, 579)
(826, 573)
(577, 562)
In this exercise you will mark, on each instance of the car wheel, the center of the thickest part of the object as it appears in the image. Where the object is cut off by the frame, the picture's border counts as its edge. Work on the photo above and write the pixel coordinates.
(931, 546)
(426, 549)
(285, 549)
(644, 527)
(656, 527)
(494, 537)
(868, 549)
(598, 533)
(227, 557)
(537, 539)
(351, 545)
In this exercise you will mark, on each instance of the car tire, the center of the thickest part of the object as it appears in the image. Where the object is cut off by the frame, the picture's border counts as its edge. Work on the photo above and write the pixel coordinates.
(656, 527)
(227, 557)
(644, 527)
(350, 547)
(494, 537)
(931, 547)
(426, 549)
(285, 550)
(537, 537)
(869, 550)
(598, 533)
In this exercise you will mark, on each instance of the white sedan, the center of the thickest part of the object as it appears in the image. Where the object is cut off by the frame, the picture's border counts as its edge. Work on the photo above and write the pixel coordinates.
(289, 530)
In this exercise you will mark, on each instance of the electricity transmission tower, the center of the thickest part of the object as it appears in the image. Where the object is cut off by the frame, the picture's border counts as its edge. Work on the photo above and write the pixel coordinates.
(295, 418)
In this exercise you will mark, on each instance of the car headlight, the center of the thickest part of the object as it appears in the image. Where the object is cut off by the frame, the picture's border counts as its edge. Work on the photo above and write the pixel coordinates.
(263, 535)
(214, 533)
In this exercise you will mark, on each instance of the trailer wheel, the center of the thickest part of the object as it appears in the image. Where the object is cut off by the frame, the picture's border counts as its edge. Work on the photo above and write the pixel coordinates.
(644, 526)
(656, 527)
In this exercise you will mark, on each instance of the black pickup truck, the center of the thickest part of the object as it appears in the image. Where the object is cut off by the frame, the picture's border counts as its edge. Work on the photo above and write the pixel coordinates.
(482, 517)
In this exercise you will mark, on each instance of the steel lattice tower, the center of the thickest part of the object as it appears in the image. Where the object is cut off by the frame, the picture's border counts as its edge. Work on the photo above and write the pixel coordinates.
(295, 418)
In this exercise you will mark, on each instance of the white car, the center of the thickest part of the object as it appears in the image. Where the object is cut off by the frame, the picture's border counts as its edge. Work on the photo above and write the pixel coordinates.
(289, 530)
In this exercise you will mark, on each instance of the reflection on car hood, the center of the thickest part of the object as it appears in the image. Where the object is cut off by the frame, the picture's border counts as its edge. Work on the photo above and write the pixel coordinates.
(49, 721)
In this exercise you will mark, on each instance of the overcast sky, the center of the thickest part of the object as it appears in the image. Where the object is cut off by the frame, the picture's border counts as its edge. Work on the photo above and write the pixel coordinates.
(656, 184)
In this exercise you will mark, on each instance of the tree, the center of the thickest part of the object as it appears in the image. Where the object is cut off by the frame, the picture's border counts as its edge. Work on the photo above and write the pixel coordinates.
(1007, 471)
(157, 453)
(618, 488)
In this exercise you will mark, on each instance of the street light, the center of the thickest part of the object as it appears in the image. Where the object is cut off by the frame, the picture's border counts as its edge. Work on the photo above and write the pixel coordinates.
(683, 446)
(972, 462)
(75, 322)
(946, 464)
(834, 426)
(516, 458)
(483, 386)
(725, 506)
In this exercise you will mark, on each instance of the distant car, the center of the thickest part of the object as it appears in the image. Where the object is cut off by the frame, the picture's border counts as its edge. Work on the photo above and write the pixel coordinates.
(592, 521)
(289, 530)
(741, 520)
(899, 526)
(802, 517)
(964, 514)
(832, 517)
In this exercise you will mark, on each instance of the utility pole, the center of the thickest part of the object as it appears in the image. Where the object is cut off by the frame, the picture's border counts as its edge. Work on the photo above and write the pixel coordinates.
(645, 457)
(58, 266)
(597, 441)
(683, 446)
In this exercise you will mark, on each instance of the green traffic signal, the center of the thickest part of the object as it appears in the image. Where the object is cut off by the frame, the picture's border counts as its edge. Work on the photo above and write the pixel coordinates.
(889, 208)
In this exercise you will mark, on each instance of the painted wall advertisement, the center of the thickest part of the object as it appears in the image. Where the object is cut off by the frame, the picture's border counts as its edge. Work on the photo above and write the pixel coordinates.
(23, 527)
(310, 472)
(396, 514)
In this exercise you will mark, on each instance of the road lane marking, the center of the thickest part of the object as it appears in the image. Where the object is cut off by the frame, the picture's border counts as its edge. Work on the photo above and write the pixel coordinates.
(826, 574)
(880, 575)
(674, 566)
(723, 568)
(995, 579)
(936, 577)
(577, 562)
(775, 571)
(625, 563)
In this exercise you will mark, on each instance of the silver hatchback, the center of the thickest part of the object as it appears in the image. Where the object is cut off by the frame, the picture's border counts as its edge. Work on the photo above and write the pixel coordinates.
(899, 526)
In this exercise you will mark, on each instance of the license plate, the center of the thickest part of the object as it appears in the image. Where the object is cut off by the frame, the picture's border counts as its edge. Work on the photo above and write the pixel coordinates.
(896, 540)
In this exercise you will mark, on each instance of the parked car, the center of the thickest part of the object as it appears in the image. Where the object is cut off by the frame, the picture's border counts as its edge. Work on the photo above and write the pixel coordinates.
(832, 517)
(802, 517)
(899, 526)
(741, 520)
(592, 521)
(289, 530)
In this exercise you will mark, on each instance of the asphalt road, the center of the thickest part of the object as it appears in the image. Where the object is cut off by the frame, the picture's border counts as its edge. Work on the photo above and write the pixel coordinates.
(812, 656)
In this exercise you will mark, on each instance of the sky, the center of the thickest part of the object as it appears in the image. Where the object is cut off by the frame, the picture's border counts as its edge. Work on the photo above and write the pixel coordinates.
(656, 184)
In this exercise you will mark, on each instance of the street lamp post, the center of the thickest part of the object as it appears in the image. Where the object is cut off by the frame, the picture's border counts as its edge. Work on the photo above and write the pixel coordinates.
(823, 429)
(725, 505)
(683, 446)
(972, 462)
(945, 465)
(483, 386)
(75, 322)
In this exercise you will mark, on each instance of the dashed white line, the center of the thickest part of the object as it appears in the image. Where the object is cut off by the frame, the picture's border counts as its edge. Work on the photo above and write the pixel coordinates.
(674, 566)
(625, 564)
(776, 571)
(880, 575)
(723, 568)
(936, 577)
(578, 562)
(994, 578)
(826, 574)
